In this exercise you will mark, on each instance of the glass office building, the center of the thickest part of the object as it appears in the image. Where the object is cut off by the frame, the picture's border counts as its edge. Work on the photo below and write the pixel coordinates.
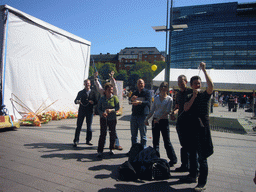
(222, 35)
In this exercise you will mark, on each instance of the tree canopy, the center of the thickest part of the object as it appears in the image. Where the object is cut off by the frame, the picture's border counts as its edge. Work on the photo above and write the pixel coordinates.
(140, 70)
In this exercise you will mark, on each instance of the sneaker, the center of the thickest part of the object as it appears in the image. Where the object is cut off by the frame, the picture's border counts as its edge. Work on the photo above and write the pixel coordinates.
(88, 143)
(188, 179)
(181, 169)
(75, 144)
(111, 152)
(99, 155)
(200, 187)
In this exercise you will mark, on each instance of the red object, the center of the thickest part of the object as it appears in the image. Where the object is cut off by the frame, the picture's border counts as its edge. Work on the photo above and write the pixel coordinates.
(2, 118)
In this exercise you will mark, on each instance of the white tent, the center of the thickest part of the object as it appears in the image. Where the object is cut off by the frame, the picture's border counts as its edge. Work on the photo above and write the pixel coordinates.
(41, 64)
(224, 80)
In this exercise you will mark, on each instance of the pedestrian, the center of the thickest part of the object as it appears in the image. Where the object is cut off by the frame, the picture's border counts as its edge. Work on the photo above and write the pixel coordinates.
(160, 110)
(231, 102)
(115, 92)
(181, 119)
(107, 107)
(86, 99)
(140, 100)
(212, 104)
(235, 103)
(199, 141)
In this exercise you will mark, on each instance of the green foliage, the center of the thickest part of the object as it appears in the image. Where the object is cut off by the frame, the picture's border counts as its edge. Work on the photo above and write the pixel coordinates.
(132, 79)
(139, 70)
(122, 76)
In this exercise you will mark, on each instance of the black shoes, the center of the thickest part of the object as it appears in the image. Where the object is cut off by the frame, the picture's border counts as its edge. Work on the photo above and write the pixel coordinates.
(188, 179)
(88, 143)
(181, 169)
(171, 164)
(200, 187)
(75, 144)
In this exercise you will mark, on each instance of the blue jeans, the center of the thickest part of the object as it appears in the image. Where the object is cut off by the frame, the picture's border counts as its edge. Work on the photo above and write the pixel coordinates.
(137, 123)
(203, 166)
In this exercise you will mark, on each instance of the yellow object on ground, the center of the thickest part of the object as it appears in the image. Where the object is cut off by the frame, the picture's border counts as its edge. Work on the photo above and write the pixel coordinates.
(5, 122)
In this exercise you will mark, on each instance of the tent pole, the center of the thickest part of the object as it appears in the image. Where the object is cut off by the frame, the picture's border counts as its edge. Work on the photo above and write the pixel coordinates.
(253, 104)
(5, 53)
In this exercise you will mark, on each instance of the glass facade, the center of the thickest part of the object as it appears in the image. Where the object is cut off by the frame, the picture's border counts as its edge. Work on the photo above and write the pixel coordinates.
(222, 35)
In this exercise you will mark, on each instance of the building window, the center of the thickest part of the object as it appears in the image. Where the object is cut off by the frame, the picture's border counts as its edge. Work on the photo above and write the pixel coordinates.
(252, 52)
(217, 52)
(241, 52)
(229, 52)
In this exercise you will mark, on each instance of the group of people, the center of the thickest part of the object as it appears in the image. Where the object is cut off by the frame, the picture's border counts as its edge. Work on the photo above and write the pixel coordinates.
(191, 110)
(107, 106)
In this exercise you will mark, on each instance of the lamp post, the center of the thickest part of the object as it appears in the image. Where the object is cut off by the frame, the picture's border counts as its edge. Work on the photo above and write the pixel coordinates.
(171, 28)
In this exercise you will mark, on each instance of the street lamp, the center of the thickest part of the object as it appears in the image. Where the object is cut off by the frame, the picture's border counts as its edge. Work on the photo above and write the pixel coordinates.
(172, 28)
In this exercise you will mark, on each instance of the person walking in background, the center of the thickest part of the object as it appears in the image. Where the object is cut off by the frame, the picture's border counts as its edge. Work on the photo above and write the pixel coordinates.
(140, 101)
(107, 107)
(199, 141)
(86, 99)
(115, 92)
(235, 103)
(160, 110)
(231, 103)
(181, 126)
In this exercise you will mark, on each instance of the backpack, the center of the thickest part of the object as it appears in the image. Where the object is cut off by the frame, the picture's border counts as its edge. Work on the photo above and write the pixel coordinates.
(134, 151)
(144, 161)
(127, 172)
(160, 169)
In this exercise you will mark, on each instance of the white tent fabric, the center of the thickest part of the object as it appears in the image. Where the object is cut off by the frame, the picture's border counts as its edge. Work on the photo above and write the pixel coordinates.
(224, 80)
(42, 64)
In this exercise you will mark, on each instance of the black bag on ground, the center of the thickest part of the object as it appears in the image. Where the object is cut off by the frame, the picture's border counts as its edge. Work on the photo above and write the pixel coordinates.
(143, 163)
(127, 172)
(160, 169)
(134, 151)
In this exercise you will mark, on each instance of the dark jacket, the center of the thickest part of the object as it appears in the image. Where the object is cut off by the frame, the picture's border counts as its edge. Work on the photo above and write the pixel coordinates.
(198, 128)
(86, 106)
(143, 109)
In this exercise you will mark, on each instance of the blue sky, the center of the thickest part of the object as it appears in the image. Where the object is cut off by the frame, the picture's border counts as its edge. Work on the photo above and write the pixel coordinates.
(110, 25)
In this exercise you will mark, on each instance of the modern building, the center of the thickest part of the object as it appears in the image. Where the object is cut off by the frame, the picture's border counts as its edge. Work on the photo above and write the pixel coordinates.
(222, 35)
(130, 55)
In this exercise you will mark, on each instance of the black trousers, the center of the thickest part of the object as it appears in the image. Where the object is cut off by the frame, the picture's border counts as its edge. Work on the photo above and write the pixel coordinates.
(79, 123)
(163, 127)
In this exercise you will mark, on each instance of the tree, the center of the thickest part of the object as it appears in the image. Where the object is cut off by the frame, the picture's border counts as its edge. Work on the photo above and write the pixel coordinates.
(122, 76)
(160, 66)
(132, 79)
(106, 69)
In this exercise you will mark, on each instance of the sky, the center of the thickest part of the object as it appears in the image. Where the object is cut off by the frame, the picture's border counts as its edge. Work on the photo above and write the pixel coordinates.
(110, 25)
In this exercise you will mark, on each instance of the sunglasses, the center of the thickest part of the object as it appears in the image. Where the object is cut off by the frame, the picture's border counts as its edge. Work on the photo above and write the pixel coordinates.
(163, 86)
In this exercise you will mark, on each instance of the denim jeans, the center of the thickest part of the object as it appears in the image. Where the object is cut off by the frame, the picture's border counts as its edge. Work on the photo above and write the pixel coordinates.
(137, 123)
(163, 127)
(203, 166)
(79, 123)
